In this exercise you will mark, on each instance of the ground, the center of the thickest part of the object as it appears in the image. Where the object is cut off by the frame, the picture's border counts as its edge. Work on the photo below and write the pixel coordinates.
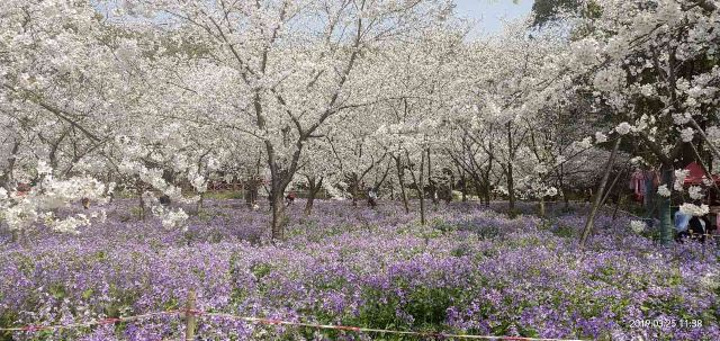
(470, 270)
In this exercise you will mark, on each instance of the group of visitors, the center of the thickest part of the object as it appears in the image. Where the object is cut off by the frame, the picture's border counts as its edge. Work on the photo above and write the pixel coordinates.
(692, 227)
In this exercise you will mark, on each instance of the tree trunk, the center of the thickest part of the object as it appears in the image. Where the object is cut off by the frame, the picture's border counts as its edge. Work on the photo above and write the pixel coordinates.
(251, 192)
(142, 202)
(401, 180)
(421, 190)
(431, 183)
(200, 203)
(479, 190)
(542, 207)
(6, 176)
(313, 188)
(487, 193)
(563, 191)
(599, 195)
(665, 214)
(509, 169)
(279, 218)
(280, 179)
(354, 189)
(309, 204)
(463, 178)
(511, 188)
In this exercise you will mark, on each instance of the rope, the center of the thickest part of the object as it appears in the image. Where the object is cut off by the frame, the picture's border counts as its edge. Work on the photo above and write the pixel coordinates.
(267, 321)
(375, 330)
(109, 320)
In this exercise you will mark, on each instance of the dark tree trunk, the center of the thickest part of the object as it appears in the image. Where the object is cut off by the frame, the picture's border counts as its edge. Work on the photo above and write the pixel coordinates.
(6, 176)
(421, 190)
(251, 192)
(479, 190)
(431, 183)
(665, 214)
(313, 189)
(142, 202)
(509, 170)
(354, 189)
(401, 180)
(279, 218)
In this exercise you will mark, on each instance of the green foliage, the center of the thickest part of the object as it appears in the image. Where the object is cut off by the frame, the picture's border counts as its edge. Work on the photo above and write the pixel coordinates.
(547, 11)
(461, 250)
(565, 231)
(260, 270)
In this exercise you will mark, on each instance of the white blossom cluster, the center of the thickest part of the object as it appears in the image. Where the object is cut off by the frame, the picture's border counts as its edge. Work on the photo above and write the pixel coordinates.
(637, 226)
(22, 210)
(694, 210)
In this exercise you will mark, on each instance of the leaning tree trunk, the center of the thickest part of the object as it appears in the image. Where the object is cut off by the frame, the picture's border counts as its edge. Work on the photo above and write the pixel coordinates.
(599, 195)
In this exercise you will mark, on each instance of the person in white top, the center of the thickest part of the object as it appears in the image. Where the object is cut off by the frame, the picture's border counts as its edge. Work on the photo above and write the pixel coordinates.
(372, 198)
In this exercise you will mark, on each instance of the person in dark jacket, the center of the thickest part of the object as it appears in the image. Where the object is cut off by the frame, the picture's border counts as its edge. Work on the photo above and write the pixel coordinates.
(165, 200)
(696, 230)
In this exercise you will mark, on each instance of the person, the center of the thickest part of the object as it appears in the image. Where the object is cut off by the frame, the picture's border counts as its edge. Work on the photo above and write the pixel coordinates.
(697, 228)
(23, 189)
(372, 198)
(588, 196)
(290, 198)
(638, 185)
(693, 227)
(165, 200)
(681, 221)
(85, 203)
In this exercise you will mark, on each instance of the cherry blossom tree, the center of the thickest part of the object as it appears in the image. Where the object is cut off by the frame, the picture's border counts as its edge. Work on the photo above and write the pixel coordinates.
(652, 69)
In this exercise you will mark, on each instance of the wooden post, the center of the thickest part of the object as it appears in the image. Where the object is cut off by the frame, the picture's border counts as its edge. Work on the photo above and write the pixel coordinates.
(190, 320)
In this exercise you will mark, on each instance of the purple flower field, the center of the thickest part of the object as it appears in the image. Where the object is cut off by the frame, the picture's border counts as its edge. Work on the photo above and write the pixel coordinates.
(469, 270)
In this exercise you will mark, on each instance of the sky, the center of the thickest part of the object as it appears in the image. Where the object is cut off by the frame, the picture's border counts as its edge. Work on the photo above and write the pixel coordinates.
(489, 13)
